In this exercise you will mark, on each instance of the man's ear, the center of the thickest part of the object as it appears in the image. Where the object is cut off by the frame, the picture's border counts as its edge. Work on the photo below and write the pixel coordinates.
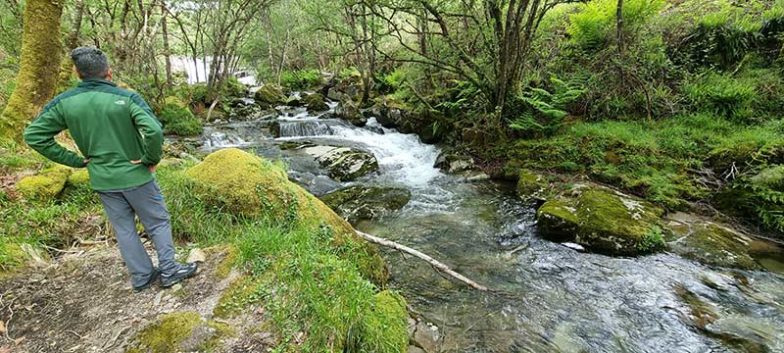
(109, 75)
(77, 72)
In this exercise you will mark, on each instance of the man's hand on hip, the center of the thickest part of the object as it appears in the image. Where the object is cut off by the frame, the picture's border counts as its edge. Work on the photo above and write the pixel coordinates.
(150, 167)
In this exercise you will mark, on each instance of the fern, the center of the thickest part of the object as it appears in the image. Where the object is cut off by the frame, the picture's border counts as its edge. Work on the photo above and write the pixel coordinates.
(546, 110)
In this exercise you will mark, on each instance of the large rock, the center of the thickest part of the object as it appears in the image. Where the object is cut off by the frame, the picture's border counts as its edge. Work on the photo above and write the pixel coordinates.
(270, 95)
(349, 111)
(45, 185)
(461, 165)
(709, 242)
(315, 103)
(344, 163)
(454, 162)
(244, 184)
(357, 203)
(603, 221)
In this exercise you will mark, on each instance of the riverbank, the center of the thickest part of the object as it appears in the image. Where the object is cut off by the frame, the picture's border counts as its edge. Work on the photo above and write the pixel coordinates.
(295, 274)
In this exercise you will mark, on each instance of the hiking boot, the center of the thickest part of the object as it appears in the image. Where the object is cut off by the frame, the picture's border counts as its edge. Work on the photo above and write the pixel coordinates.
(153, 276)
(185, 271)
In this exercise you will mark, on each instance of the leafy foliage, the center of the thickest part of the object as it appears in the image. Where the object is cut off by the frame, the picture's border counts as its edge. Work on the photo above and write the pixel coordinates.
(593, 26)
(723, 95)
(300, 79)
(546, 110)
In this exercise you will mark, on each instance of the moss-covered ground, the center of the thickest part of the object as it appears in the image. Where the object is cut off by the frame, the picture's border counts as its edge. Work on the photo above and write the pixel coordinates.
(672, 162)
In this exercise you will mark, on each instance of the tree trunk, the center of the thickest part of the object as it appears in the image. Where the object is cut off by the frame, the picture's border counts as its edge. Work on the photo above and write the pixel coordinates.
(73, 39)
(39, 65)
(166, 50)
(619, 26)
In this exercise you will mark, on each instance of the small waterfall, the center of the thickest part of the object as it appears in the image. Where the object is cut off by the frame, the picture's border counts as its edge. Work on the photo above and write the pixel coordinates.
(220, 139)
(402, 158)
(302, 128)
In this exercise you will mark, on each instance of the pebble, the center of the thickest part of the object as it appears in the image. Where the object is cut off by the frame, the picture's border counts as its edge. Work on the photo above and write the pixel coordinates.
(574, 246)
(196, 255)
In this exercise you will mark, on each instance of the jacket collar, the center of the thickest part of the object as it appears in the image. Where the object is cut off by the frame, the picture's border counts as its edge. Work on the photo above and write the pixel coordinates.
(92, 82)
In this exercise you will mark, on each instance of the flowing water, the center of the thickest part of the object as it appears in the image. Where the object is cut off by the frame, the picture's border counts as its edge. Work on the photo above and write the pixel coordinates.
(546, 297)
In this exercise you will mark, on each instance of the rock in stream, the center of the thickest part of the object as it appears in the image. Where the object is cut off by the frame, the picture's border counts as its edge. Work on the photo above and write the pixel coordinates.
(344, 163)
(357, 203)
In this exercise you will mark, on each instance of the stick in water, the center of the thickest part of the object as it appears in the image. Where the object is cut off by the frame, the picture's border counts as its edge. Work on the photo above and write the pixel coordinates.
(433, 262)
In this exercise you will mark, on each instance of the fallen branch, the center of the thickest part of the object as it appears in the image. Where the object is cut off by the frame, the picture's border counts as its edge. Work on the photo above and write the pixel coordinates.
(433, 262)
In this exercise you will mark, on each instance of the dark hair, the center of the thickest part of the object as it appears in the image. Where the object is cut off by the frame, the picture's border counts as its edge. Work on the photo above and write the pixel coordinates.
(90, 62)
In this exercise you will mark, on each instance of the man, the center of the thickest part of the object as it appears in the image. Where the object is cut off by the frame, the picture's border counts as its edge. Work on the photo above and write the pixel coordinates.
(121, 140)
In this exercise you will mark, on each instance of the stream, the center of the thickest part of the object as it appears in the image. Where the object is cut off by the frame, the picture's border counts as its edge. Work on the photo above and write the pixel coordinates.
(545, 296)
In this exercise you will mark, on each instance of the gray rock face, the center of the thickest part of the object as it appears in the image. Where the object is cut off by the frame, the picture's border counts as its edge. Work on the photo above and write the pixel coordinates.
(349, 111)
(357, 203)
(344, 163)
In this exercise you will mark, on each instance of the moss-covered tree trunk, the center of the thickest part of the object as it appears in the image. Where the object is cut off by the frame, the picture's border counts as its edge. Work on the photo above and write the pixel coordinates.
(39, 66)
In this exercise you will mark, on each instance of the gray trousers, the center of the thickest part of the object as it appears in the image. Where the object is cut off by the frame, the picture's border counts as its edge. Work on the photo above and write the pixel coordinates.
(146, 201)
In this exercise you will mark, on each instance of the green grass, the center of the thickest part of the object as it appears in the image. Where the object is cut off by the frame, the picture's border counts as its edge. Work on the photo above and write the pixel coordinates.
(305, 281)
(653, 159)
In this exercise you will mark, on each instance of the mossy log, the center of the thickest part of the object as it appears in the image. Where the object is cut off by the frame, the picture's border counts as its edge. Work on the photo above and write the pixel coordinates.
(39, 66)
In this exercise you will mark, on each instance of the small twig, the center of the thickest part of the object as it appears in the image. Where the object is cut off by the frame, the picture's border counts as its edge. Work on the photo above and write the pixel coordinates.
(61, 251)
(517, 249)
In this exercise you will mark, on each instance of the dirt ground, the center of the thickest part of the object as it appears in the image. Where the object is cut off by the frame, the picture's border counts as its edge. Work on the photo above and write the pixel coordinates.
(83, 302)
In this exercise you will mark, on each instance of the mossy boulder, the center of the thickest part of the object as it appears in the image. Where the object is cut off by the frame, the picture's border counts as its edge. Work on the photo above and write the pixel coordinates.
(349, 111)
(179, 332)
(344, 163)
(249, 186)
(530, 184)
(315, 103)
(12, 256)
(710, 243)
(603, 221)
(45, 185)
(357, 203)
(270, 95)
(178, 119)
(557, 220)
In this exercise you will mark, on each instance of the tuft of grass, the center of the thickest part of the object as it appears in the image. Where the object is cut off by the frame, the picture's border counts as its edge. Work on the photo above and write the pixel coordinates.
(318, 291)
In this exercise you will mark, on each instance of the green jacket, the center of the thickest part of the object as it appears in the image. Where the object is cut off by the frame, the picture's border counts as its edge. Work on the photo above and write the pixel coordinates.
(111, 126)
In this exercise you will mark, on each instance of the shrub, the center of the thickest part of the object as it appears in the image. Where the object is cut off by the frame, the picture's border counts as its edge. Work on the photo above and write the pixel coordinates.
(759, 194)
(301, 79)
(717, 44)
(723, 95)
(546, 110)
(178, 119)
(233, 88)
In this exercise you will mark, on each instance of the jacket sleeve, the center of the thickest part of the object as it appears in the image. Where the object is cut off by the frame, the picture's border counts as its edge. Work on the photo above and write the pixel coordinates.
(40, 136)
(150, 129)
